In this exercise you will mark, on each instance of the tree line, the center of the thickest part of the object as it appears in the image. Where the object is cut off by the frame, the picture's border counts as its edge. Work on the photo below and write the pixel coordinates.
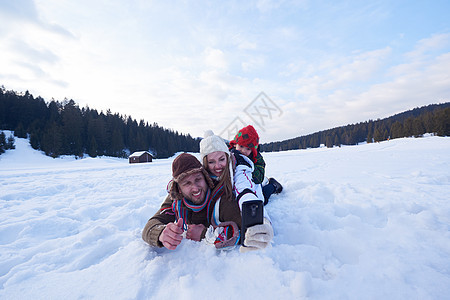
(62, 128)
(433, 118)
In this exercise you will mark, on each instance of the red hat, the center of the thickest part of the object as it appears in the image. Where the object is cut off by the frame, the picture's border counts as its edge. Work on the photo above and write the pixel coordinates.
(247, 137)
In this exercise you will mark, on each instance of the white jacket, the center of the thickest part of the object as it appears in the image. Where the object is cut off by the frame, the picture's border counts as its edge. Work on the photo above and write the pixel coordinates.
(244, 187)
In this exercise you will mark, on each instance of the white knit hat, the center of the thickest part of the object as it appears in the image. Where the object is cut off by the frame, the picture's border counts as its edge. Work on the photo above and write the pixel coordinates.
(212, 143)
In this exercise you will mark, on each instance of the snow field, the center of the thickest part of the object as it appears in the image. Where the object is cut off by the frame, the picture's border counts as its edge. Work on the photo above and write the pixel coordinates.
(368, 221)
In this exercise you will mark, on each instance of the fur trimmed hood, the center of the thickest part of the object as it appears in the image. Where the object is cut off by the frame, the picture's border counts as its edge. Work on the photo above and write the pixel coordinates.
(184, 165)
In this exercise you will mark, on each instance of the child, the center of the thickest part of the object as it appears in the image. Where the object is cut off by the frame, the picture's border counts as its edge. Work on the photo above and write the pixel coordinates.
(216, 159)
(246, 142)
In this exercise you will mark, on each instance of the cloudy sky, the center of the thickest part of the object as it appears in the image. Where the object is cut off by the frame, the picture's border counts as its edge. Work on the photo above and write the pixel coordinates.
(289, 67)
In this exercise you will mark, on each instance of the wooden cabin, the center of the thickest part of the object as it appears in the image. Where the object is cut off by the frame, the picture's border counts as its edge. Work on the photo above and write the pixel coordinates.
(140, 157)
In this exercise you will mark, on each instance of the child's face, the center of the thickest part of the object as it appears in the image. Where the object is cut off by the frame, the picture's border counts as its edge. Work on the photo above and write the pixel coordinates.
(244, 150)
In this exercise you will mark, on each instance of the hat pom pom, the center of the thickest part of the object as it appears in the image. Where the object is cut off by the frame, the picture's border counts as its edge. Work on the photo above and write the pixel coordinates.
(208, 133)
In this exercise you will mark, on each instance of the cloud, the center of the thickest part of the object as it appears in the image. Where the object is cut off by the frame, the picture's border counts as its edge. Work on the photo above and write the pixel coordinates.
(246, 45)
(215, 58)
(266, 6)
(360, 68)
(32, 53)
(429, 45)
(340, 73)
(194, 66)
(367, 86)
(22, 9)
(253, 63)
(414, 85)
(21, 13)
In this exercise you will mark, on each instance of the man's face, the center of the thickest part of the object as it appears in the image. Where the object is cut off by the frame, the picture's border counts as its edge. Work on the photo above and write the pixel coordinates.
(194, 187)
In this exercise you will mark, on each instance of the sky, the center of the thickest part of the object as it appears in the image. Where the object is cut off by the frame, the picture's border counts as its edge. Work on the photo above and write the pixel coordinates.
(289, 68)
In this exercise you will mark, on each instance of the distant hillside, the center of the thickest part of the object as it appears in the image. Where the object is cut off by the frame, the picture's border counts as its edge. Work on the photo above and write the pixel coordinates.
(62, 128)
(433, 118)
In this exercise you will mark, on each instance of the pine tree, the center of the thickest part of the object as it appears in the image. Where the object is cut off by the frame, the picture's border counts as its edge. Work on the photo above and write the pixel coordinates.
(2, 142)
(72, 127)
(397, 130)
(377, 135)
(408, 127)
(10, 143)
(336, 141)
(20, 132)
(442, 122)
(370, 132)
(385, 135)
(418, 129)
(370, 137)
(117, 145)
(52, 141)
(92, 152)
(35, 139)
(329, 141)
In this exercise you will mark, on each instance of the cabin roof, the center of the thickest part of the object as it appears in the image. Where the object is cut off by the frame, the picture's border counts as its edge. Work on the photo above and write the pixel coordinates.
(140, 153)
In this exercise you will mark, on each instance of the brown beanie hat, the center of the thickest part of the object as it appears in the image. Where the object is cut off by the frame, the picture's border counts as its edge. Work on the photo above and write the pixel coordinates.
(184, 165)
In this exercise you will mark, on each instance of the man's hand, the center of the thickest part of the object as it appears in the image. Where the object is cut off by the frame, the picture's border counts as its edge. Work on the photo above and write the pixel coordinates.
(257, 237)
(194, 232)
(171, 237)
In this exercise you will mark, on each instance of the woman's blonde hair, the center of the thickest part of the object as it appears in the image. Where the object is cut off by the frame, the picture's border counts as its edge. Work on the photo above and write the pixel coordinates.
(224, 179)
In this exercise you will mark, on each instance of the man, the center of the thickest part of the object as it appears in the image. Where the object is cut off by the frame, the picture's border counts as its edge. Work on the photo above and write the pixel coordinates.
(190, 207)
(195, 206)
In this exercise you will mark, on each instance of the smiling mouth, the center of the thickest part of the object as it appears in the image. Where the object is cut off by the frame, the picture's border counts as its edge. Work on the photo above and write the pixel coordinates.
(196, 194)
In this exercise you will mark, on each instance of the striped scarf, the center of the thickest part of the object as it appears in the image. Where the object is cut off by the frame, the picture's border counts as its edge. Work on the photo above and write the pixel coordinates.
(182, 206)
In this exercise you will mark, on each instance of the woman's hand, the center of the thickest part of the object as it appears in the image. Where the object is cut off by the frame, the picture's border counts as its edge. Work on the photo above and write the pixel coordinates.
(233, 162)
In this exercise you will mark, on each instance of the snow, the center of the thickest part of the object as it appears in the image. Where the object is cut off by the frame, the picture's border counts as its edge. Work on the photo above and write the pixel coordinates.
(358, 222)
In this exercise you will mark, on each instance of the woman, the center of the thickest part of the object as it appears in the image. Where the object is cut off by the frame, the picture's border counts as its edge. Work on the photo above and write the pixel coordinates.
(216, 159)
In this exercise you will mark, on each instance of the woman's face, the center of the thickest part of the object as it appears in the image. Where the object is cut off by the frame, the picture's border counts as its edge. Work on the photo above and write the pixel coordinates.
(217, 162)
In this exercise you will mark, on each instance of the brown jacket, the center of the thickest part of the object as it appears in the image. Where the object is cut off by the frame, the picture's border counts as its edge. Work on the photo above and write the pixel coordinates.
(228, 211)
